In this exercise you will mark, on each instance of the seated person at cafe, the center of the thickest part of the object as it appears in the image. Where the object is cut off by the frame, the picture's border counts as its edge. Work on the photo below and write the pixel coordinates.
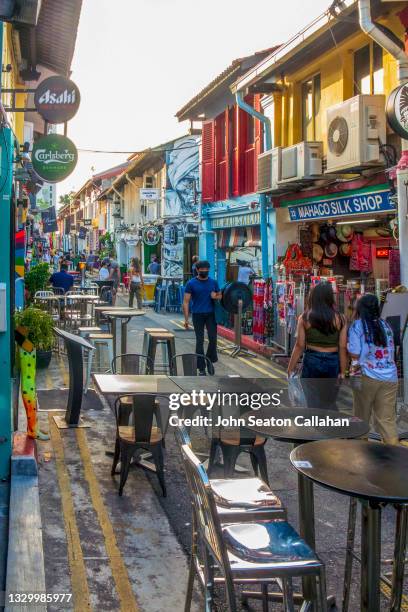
(62, 279)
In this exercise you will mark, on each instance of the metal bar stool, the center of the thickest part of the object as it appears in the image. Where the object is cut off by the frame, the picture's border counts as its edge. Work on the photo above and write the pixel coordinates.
(147, 331)
(165, 338)
(98, 340)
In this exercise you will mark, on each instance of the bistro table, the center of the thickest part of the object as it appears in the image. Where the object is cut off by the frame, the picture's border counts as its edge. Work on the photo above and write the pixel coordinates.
(132, 384)
(300, 433)
(375, 474)
(124, 315)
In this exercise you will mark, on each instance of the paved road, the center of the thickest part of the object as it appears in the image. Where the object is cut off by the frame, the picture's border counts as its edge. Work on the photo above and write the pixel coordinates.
(105, 548)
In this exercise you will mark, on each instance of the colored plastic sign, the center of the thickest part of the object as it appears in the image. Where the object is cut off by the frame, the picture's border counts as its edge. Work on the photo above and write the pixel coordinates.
(54, 157)
(57, 99)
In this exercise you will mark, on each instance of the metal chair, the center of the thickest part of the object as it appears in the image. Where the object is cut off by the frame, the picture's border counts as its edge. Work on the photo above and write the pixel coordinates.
(43, 294)
(130, 363)
(240, 499)
(244, 553)
(143, 434)
(58, 291)
(236, 440)
(188, 364)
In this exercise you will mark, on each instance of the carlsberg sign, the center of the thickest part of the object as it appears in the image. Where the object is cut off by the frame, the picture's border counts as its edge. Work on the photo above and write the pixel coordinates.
(54, 157)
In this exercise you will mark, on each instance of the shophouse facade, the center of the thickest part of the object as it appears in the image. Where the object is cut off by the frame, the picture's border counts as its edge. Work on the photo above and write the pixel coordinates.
(230, 228)
(329, 174)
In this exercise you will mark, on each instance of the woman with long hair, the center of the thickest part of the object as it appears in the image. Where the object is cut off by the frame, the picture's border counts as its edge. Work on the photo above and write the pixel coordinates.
(321, 337)
(136, 283)
(371, 347)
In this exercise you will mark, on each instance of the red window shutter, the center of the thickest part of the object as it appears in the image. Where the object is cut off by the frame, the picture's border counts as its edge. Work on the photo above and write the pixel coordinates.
(235, 187)
(227, 153)
(208, 162)
(258, 138)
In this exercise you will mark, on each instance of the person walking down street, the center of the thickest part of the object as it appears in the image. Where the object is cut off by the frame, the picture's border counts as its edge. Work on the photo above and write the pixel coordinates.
(371, 347)
(114, 275)
(321, 337)
(194, 260)
(136, 283)
(62, 280)
(202, 291)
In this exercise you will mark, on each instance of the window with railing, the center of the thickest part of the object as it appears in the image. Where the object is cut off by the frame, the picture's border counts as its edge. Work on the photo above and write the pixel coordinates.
(311, 94)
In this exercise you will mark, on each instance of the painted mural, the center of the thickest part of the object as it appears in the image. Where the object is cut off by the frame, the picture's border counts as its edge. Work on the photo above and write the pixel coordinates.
(182, 189)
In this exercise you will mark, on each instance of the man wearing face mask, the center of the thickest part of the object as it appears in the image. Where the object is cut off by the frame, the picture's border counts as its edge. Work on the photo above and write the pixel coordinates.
(201, 291)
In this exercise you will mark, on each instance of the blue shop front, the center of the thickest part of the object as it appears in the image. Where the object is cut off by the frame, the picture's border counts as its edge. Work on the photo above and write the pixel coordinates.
(231, 237)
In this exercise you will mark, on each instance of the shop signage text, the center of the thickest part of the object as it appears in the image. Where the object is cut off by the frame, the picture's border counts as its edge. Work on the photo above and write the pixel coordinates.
(149, 194)
(252, 218)
(364, 203)
(54, 157)
(57, 99)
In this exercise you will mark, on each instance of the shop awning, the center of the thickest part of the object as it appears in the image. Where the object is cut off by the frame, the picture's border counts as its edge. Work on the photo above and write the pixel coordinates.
(253, 237)
(234, 237)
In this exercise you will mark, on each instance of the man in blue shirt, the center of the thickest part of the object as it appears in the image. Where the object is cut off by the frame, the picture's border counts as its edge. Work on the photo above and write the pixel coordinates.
(202, 291)
(62, 279)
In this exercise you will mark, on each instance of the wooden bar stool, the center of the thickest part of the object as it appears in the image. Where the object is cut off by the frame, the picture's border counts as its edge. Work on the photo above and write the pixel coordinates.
(147, 331)
(98, 340)
(85, 331)
(166, 339)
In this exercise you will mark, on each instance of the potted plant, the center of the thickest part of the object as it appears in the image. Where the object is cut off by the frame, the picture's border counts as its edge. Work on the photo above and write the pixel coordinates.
(34, 335)
(37, 279)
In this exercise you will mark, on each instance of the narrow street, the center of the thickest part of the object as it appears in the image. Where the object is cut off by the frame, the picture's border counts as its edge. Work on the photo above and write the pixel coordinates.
(131, 553)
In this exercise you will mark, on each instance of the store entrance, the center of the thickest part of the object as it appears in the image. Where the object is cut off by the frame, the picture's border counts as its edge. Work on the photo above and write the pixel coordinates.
(190, 249)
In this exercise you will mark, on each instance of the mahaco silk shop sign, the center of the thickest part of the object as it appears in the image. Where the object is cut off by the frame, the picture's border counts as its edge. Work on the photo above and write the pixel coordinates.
(371, 202)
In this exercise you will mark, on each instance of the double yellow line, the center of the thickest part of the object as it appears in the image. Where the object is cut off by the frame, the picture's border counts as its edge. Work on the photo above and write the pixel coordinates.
(79, 582)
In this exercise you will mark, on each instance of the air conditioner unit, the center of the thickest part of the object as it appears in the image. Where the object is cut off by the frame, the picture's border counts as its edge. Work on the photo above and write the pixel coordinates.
(269, 170)
(302, 161)
(355, 129)
(23, 12)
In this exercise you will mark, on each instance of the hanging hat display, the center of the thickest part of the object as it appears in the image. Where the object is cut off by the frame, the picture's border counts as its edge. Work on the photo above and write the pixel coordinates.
(317, 253)
(345, 249)
(331, 250)
(315, 232)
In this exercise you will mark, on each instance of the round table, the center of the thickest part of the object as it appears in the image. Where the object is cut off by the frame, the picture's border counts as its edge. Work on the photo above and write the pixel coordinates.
(125, 315)
(375, 474)
(296, 434)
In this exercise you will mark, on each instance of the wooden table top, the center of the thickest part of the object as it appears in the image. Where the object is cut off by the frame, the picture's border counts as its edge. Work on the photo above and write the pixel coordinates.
(124, 384)
(127, 313)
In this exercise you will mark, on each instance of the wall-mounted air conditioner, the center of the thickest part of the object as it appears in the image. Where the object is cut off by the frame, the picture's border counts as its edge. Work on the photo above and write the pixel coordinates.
(269, 170)
(24, 12)
(355, 130)
(302, 162)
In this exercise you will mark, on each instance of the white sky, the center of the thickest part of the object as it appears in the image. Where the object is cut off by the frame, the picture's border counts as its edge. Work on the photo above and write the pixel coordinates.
(139, 61)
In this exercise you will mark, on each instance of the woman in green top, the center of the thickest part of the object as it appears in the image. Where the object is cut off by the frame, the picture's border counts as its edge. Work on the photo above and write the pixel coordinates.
(321, 337)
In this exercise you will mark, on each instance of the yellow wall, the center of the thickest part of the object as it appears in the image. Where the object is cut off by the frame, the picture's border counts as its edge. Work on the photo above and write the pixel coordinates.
(11, 80)
(337, 85)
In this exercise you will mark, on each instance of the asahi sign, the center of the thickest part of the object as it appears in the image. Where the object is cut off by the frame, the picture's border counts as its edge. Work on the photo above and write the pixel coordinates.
(397, 110)
(54, 157)
(57, 99)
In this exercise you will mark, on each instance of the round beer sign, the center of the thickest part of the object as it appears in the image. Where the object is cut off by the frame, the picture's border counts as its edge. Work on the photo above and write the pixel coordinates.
(54, 157)
(57, 99)
(151, 235)
(397, 110)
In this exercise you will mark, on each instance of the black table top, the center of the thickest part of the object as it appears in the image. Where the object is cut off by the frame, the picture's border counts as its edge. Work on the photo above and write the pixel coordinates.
(299, 425)
(232, 384)
(367, 470)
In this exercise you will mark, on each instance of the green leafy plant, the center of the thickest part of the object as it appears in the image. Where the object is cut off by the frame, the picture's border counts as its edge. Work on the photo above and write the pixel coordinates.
(106, 246)
(37, 278)
(39, 325)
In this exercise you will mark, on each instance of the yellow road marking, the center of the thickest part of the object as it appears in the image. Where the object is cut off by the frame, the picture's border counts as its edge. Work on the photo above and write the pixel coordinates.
(79, 581)
(63, 372)
(385, 589)
(118, 567)
(48, 380)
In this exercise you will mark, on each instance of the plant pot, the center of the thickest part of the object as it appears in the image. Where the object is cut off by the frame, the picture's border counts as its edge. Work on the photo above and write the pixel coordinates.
(43, 359)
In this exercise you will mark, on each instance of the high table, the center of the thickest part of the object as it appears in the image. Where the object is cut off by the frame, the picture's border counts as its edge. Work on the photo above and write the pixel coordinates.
(375, 474)
(124, 315)
(298, 434)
